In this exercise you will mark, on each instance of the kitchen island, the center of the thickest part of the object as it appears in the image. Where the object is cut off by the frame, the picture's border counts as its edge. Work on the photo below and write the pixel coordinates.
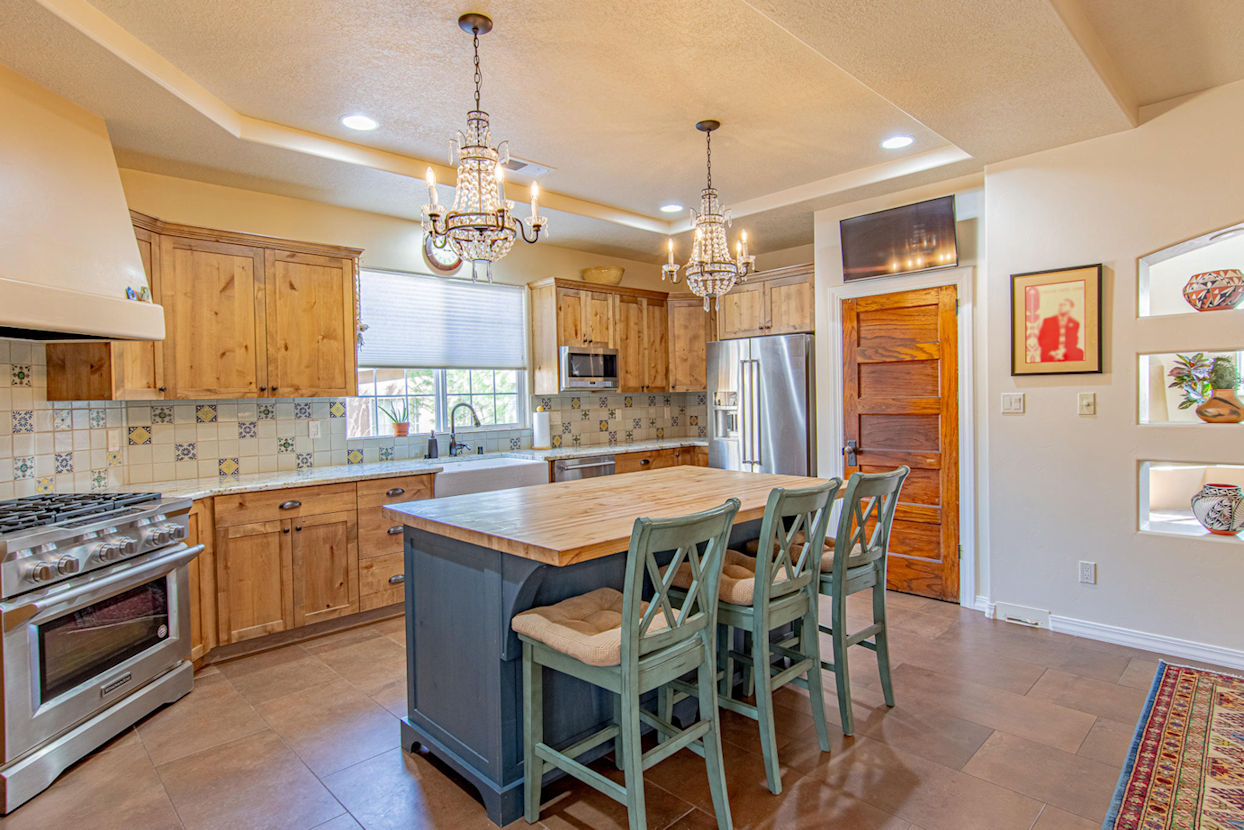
(474, 561)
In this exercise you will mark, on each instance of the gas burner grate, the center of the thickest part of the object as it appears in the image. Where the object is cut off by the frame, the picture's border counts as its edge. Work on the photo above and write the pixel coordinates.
(39, 511)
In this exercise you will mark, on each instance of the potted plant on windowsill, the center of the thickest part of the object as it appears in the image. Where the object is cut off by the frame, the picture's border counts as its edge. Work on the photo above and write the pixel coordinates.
(1222, 406)
(397, 411)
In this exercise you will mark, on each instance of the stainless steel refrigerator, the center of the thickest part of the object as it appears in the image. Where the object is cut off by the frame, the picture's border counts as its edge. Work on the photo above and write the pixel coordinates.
(762, 400)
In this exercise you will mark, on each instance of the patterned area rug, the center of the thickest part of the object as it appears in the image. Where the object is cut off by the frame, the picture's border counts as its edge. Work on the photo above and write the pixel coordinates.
(1185, 770)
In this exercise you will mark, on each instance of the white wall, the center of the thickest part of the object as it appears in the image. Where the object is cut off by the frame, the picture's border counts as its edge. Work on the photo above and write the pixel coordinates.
(1063, 487)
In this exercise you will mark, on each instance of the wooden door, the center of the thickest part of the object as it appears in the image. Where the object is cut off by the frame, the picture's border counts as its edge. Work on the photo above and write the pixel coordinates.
(656, 346)
(254, 596)
(325, 566)
(570, 306)
(790, 304)
(742, 312)
(202, 582)
(900, 404)
(310, 309)
(688, 336)
(598, 314)
(215, 342)
(632, 359)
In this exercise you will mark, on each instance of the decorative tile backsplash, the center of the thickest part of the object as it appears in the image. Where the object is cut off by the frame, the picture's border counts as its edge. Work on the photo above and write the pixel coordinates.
(80, 446)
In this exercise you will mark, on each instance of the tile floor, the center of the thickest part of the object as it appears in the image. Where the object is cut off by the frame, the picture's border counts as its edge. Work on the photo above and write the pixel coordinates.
(997, 727)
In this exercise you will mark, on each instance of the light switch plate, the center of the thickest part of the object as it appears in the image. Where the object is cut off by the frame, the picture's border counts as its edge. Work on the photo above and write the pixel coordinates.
(1012, 403)
(313, 429)
(1086, 403)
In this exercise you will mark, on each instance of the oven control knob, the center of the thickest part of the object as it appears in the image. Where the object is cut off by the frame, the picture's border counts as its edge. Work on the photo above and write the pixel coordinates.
(126, 545)
(107, 551)
(40, 572)
(158, 536)
(68, 565)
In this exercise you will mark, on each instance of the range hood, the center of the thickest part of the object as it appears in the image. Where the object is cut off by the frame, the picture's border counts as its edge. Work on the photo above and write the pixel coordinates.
(67, 248)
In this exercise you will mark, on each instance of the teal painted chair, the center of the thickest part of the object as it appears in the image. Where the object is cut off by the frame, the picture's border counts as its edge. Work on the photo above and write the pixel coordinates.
(856, 561)
(763, 594)
(620, 643)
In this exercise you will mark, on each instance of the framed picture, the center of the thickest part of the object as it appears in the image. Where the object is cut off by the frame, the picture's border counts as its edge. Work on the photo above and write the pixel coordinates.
(1056, 322)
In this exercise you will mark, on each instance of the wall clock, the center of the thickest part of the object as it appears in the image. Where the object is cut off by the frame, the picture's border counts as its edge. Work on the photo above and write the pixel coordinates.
(445, 260)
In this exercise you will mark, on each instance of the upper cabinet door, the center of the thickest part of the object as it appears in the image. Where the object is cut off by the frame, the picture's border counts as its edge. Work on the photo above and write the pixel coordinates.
(688, 334)
(656, 346)
(598, 312)
(790, 304)
(570, 306)
(311, 343)
(631, 355)
(214, 316)
(743, 312)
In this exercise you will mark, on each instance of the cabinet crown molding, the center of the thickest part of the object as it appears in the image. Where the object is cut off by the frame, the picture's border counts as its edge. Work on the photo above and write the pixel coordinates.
(151, 223)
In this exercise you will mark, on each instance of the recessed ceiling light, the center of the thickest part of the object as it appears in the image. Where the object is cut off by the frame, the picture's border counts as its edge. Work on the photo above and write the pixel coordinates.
(897, 142)
(672, 207)
(359, 122)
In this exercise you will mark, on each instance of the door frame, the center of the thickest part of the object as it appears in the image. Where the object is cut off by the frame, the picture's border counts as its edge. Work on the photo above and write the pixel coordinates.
(962, 278)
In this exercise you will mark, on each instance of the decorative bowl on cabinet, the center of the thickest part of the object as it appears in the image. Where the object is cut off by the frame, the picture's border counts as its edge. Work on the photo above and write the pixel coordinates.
(1220, 508)
(603, 274)
(1215, 290)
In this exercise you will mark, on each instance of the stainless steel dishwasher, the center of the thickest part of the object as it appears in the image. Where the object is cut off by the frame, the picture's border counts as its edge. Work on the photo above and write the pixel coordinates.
(589, 466)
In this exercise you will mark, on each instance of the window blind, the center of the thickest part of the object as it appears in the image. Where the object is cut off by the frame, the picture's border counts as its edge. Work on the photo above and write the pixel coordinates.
(433, 322)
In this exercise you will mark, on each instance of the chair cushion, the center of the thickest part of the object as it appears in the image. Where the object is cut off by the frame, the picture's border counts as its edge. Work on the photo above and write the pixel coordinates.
(855, 560)
(738, 578)
(587, 627)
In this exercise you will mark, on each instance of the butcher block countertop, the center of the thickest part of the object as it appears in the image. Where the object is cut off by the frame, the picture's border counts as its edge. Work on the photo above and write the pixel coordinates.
(574, 521)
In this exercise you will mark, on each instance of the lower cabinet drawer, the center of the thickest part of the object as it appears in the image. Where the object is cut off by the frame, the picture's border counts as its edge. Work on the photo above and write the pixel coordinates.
(376, 585)
(379, 533)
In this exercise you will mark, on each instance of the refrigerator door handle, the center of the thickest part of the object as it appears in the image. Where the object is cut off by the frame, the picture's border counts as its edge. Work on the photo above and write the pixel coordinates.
(758, 436)
(744, 420)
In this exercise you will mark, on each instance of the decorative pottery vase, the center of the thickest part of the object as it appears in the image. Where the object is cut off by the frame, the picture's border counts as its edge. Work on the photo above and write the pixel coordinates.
(1220, 508)
(1215, 290)
(400, 429)
(1223, 407)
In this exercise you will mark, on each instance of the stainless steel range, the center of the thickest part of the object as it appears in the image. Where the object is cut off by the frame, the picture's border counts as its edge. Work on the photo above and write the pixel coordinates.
(94, 625)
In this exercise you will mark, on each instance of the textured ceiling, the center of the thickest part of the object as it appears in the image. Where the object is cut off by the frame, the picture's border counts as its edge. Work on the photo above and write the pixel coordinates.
(607, 93)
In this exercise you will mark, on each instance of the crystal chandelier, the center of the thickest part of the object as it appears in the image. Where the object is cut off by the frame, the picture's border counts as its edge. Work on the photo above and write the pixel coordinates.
(481, 226)
(710, 271)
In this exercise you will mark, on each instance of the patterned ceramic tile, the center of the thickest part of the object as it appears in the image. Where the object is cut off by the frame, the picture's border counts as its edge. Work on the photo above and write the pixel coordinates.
(206, 413)
(24, 467)
(99, 480)
(302, 460)
(557, 440)
(603, 401)
(667, 400)
(23, 421)
(62, 419)
(630, 436)
(700, 399)
(587, 416)
(702, 432)
(46, 485)
(604, 426)
(576, 439)
(565, 427)
(19, 374)
(660, 433)
(98, 418)
(228, 467)
(284, 445)
(354, 457)
(266, 411)
(547, 403)
(161, 414)
(613, 414)
(613, 437)
(628, 402)
(693, 420)
(188, 451)
(114, 458)
(248, 429)
(674, 421)
(64, 462)
(302, 411)
(515, 443)
(139, 436)
(386, 453)
(652, 400)
(637, 423)
(337, 409)
(576, 403)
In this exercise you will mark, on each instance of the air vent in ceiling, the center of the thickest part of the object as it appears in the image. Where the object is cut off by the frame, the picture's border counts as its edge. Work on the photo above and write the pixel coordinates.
(527, 170)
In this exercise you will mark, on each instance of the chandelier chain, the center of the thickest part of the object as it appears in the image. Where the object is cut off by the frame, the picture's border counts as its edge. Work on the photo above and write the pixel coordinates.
(479, 76)
(708, 155)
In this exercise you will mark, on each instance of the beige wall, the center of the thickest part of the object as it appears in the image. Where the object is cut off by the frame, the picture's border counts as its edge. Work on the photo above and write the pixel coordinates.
(1063, 487)
(387, 241)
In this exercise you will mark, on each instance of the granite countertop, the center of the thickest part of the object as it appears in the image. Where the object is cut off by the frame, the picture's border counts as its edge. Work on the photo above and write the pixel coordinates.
(199, 488)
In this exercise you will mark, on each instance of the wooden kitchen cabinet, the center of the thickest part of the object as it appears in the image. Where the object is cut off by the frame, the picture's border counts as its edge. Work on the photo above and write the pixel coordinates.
(311, 333)
(643, 348)
(382, 571)
(779, 301)
(633, 462)
(689, 326)
(325, 566)
(585, 318)
(254, 580)
(202, 581)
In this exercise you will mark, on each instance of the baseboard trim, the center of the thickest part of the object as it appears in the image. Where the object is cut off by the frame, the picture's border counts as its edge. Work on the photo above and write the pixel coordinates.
(985, 606)
(1174, 646)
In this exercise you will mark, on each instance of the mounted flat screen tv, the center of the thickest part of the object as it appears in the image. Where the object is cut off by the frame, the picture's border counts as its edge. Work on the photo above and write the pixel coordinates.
(919, 237)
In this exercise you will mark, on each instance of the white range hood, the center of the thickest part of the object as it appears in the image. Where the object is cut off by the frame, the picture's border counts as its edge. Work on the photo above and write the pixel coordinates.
(67, 248)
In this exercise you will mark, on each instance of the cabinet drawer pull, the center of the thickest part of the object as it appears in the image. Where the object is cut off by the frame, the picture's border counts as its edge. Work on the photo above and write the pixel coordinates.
(285, 530)
(395, 530)
(299, 528)
(397, 579)
(291, 504)
(645, 461)
(395, 491)
(274, 389)
(263, 389)
(162, 389)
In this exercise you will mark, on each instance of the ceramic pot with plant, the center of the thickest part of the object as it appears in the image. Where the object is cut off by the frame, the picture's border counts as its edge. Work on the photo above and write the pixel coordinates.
(397, 411)
(1220, 508)
(1222, 406)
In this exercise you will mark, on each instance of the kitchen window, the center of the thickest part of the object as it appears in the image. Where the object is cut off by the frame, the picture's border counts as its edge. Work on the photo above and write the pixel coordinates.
(434, 342)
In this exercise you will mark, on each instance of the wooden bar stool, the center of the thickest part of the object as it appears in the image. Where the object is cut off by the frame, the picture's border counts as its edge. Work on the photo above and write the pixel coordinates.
(763, 594)
(620, 643)
(856, 562)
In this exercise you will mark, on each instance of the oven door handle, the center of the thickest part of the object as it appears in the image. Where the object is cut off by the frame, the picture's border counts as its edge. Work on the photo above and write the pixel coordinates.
(130, 577)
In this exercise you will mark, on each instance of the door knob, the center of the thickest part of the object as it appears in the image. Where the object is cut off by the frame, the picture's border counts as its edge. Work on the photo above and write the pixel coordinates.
(850, 451)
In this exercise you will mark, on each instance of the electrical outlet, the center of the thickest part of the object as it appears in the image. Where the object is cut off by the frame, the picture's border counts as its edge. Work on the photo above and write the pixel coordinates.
(313, 429)
(1012, 403)
(1088, 573)
(1086, 403)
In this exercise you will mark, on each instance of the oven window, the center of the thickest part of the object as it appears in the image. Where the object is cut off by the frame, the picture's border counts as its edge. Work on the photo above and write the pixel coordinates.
(90, 641)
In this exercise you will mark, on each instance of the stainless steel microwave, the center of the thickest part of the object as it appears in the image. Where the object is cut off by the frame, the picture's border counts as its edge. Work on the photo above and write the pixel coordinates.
(587, 367)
